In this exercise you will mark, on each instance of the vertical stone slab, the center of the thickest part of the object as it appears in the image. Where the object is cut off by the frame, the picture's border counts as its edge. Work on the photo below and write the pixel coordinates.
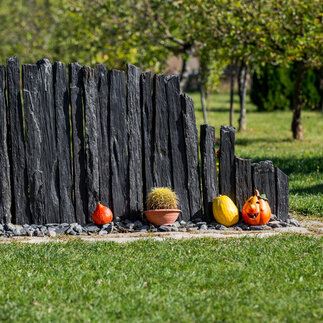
(209, 173)
(65, 179)
(192, 157)
(162, 156)
(33, 137)
(48, 143)
(243, 181)
(118, 143)
(100, 73)
(5, 189)
(91, 138)
(20, 205)
(177, 144)
(227, 164)
(80, 188)
(147, 133)
(282, 195)
(134, 142)
(263, 179)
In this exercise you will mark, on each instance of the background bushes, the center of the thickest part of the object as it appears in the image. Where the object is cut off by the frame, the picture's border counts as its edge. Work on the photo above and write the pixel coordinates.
(272, 88)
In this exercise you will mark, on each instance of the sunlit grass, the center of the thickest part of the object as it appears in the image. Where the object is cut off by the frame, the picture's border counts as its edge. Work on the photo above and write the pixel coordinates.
(275, 279)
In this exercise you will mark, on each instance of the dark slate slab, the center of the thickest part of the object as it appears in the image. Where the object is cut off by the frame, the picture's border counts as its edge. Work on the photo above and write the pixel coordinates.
(101, 77)
(118, 143)
(209, 172)
(226, 163)
(80, 188)
(192, 157)
(5, 188)
(134, 142)
(282, 196)
(91, 138)
(147, 132)
(162, 156)
(20, 205)
(33, 137)
(65, 179)
(177, 144)
(243, 181)
(48, 144)
(263, 179)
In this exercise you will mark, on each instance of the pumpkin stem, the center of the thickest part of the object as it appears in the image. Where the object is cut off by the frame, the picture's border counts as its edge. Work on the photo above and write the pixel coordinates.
(257, 192)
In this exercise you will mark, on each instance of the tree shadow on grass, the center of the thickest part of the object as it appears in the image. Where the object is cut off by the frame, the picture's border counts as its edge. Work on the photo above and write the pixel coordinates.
(308, 190)
(249, 141)
(305, 166)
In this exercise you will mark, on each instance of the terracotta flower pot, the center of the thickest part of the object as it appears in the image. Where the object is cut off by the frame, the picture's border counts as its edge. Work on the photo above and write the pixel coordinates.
(162, 216)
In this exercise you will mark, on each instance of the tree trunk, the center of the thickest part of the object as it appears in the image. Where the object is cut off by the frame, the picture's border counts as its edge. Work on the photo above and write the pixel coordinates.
(297, 127)
(232, 75)
(242, 83)
(203, 102)
(184, 75)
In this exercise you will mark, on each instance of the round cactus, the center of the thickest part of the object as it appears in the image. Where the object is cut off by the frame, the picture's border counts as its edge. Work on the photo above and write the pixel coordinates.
(162, 198)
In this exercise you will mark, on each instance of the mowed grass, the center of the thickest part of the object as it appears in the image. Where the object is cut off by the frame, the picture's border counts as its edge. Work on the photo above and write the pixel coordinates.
(275, 279)
(268, 136)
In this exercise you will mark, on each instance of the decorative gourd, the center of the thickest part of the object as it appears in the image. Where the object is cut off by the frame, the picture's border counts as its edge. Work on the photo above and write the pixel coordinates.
(102, 215)
(256, 210)
(224, 211)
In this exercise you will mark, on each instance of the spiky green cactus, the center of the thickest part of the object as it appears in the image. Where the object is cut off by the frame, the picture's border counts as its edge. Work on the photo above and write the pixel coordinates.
(162, 198)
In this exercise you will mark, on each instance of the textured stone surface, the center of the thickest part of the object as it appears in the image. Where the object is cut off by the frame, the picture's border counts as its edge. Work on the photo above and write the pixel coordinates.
(20, 205)
(5, 188)
(118, 143)
(64, 157)
(147, 132)
(79, 175)
(243, 182)
(263, 179)
(227, 162)
(48, 141)
(162, 157)
(91, 138)
(36, 176)
(209, 172)
(134, 142)
(192, 157)
(282, 185)
(101, 77)
(177, 144)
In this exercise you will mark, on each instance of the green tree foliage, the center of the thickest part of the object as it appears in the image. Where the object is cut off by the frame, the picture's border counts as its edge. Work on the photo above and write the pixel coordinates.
(272, 88)
(146, 32)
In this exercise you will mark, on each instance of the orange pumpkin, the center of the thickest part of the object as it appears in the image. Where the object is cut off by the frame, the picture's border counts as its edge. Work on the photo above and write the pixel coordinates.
(256, 211)
(102, 215)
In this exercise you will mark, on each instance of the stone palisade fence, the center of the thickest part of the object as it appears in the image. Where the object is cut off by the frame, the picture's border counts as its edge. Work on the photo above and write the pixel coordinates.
(71, 137)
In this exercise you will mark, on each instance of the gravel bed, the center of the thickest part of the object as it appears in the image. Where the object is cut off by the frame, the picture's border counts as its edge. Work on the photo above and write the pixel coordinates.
(125, 226)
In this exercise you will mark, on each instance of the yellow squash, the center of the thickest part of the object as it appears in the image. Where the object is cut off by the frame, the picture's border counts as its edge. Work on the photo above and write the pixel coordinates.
(224, 211)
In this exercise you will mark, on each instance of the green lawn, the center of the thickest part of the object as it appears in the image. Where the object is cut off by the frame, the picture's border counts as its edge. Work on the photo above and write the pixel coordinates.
(276, 279)
(269, 137)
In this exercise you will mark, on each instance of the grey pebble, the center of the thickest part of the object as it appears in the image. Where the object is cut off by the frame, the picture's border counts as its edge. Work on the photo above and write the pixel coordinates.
(165, 228)
(257, 227)
(294, 222)
(137, 224)
(220, 227)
